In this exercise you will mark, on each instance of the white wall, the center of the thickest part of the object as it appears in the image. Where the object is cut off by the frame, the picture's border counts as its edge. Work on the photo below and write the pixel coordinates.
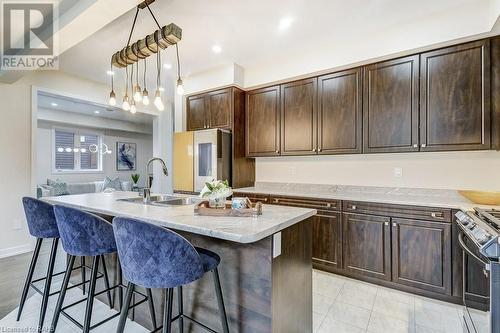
(441, 170)
(110, 137)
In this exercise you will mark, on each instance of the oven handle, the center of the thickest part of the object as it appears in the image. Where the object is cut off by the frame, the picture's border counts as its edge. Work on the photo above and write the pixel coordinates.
(466, 249)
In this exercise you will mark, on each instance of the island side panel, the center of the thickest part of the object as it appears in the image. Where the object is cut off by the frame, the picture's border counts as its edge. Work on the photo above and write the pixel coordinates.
(292, 281)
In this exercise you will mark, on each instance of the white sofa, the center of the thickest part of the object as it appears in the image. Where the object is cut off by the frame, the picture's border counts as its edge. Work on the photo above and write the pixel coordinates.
(80, 188)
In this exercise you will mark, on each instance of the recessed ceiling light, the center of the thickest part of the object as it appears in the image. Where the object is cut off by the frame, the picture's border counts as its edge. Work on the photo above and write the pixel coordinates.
(97, 112)
(160, 88)
(167, 66)
(53, 104)
(110, 72)
(216, 49)
(285, 23)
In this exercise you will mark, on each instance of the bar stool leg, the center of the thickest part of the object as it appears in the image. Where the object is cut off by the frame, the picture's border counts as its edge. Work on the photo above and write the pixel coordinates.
(120, 282)
(27, 283)
(220, 301)
(90, 295)
(48, 282)
(125, 308)
(180, 305)
(62, 294)
(167, 311)
(106, 282)
(82, 262)
(151, 308)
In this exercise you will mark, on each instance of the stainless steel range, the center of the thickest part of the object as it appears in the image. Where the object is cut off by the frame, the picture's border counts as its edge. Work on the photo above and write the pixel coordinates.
(480, 242)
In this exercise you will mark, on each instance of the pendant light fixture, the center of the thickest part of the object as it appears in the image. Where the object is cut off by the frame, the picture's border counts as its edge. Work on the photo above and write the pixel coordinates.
(131, 54)
(158, 101)
(126, 104)
(145, 94)
(112, 95)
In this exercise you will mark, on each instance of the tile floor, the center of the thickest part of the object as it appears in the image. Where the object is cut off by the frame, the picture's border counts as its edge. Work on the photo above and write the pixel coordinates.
(340, 305)
(29, 317)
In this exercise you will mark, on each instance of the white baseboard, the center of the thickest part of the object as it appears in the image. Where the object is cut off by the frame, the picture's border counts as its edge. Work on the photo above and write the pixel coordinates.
(12, 251)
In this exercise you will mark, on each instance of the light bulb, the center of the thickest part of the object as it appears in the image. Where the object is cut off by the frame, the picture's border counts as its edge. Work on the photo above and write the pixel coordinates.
(126, 104)
(112, 98)
(75, 150)
(145, 97)
(68, 150)
(133, 109)
(83, 150)
(158, 102)
(137, 93)
(60, 149)
(180, 87)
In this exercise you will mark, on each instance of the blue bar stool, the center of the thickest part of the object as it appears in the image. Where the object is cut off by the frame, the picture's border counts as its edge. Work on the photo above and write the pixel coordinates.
(42, 225)
(155, 257)
(86, 234)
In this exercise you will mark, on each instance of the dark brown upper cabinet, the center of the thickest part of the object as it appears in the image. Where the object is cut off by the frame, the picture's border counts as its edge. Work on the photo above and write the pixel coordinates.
(339, 112)
(390, 106)
(210, 110)
(195, 113)
(421, 254)
(367, 245)
(219, 108)
(455, 98)
(299, 118)
(263, 122)
(495, 93)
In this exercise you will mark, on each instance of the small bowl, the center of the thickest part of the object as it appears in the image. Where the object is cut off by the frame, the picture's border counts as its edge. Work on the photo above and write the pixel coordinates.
(482, 197)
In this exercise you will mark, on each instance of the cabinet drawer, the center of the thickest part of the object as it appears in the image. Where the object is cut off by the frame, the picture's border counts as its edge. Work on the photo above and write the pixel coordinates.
(412, 212)
(254, 197)
(325, 206)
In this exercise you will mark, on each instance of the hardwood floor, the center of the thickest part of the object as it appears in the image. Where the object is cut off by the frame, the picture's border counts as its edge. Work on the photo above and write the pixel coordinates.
(13, 273)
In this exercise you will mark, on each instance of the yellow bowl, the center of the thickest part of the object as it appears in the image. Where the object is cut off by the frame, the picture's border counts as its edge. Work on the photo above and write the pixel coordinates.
(481, 197)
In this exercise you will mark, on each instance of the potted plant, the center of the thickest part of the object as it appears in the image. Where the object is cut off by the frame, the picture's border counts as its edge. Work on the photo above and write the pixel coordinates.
(135, 179)
(216, 192)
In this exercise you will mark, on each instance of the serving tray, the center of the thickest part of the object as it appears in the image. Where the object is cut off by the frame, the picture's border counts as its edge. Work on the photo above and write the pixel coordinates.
(252, 210)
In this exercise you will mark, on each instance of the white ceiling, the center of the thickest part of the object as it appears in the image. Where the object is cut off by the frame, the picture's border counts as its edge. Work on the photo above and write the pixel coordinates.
(248, 31)
(72, 105)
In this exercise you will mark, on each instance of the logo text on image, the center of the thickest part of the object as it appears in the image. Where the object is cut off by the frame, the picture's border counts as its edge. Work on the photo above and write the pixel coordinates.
(28, 41)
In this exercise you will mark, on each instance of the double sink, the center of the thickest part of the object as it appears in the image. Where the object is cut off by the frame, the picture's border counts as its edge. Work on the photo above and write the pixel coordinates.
(163, 200)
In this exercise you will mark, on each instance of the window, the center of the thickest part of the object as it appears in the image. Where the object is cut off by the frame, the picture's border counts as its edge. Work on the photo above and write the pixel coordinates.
(72, 151)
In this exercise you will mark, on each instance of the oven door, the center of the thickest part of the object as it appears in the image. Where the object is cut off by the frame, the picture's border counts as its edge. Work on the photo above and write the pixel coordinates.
(476, 284)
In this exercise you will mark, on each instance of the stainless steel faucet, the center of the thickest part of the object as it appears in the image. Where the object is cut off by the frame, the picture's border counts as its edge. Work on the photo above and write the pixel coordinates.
(147, 190)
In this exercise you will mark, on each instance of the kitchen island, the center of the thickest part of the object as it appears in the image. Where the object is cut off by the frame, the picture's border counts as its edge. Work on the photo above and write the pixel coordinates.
(265, 270)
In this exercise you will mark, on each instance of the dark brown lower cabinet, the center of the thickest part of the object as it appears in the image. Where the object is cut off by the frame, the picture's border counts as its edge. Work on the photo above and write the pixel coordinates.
(421, 254)
(367, 245)
(327, 241)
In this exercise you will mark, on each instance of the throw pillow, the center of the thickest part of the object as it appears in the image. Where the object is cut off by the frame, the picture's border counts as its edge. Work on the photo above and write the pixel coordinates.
(114, 183)
(58, 187)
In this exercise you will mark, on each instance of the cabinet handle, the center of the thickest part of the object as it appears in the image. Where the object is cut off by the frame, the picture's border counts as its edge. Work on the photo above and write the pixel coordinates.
(415, 145)
(433, 214)
(423, 145)
(394, 224)
(277, 151)
(386, 223)
(319, 149)
(276, 200)
(353, 207)
(314, 149)
(329, 205)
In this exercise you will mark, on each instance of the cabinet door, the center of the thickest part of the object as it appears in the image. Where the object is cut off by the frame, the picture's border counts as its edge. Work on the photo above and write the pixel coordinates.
(455, 98)
(390, 106)
(298, 118)
(196, 113)
(219, 108)
(263, 122)
(421, 254)
(339, 112)
(327, 241)
(367, 245)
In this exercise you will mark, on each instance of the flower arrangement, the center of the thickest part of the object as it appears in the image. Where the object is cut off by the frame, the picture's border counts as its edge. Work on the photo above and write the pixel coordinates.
(216, 191)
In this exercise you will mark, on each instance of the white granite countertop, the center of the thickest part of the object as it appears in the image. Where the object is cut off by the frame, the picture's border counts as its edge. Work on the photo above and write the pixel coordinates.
(237, 229)
(390, 195)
